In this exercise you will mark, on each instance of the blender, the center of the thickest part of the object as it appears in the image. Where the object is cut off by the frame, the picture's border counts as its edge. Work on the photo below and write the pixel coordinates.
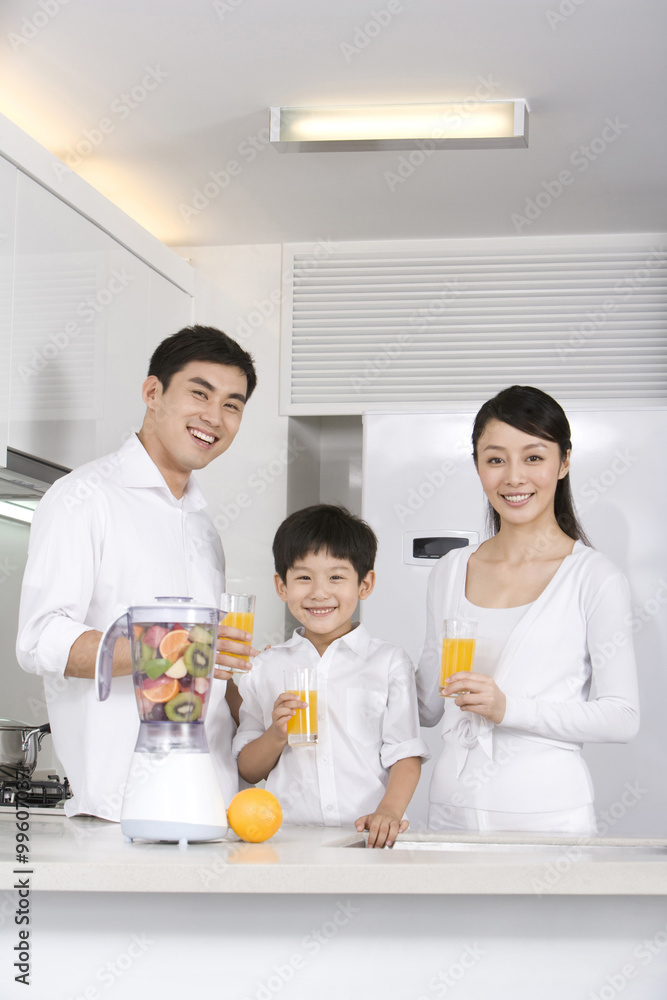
(172, 792)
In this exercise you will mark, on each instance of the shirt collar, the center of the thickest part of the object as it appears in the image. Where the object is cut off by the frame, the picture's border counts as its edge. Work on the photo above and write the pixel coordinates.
(138, 470)
(358, 639)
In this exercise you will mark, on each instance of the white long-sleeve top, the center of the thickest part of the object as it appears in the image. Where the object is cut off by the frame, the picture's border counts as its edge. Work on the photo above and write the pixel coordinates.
(568, 673)
(367, 720)
(107, 536)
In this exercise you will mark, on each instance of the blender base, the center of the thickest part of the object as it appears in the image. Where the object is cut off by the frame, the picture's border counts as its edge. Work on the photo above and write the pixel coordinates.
(170, 833)
(173, 797)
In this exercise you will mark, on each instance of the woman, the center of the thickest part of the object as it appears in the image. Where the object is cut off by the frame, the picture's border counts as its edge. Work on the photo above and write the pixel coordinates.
(554, 665)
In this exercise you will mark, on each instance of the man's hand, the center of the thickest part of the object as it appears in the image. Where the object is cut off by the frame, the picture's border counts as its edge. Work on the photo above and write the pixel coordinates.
(233, 640)
(383, 828)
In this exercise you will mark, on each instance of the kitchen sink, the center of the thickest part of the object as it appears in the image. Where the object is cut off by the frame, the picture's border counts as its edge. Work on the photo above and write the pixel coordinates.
(568, 848)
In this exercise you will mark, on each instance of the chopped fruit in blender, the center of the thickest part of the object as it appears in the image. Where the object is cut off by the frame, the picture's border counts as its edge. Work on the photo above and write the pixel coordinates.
(185, 707)
(160, 690)
(200, 634)
(172, 667)
(177, 669)
(198, 659)
(155, 668)
(174, 643)
(154, 635)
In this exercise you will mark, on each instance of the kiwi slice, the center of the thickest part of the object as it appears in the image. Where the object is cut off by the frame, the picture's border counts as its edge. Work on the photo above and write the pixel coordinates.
(184, 707)
(197, 659)
(155, 668)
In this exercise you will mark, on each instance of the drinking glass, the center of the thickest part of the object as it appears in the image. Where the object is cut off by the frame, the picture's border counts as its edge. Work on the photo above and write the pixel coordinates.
(302, 727)
(238, 611)
(459, 636)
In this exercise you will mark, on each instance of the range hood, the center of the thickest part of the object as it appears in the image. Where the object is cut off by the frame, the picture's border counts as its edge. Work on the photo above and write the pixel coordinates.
(26, 477)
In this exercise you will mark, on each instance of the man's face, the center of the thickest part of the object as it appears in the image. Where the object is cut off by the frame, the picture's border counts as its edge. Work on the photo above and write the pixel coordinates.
(197, 417)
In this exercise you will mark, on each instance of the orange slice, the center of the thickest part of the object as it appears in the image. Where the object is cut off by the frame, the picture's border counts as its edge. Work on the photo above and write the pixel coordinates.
(173, 644)
(161, 689)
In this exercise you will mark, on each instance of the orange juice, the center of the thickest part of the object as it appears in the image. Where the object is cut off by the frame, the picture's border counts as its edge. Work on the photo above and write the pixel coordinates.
(245, 620)
(457, 654)
(302, 727)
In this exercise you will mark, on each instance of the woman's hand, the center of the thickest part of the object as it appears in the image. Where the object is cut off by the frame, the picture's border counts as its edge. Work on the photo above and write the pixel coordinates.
(483, 696)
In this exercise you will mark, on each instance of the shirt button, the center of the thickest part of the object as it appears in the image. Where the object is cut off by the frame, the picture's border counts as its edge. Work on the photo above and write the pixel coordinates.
(325, 760)
(320, 716)
(329, 809)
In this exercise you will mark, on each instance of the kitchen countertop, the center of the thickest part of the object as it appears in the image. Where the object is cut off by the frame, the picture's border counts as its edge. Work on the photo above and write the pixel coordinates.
(90, 855)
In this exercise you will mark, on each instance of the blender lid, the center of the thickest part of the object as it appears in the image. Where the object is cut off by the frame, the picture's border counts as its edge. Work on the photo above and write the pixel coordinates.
(187, 610)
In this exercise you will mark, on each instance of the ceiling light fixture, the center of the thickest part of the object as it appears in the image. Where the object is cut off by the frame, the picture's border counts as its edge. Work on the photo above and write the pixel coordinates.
(467, 124)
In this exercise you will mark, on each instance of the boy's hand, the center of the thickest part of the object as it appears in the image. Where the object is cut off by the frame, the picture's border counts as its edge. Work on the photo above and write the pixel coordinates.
(232, 640)
(284, 708)
(383, 828)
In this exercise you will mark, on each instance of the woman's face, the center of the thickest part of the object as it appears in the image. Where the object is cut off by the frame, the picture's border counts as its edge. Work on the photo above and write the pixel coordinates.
(519, 472)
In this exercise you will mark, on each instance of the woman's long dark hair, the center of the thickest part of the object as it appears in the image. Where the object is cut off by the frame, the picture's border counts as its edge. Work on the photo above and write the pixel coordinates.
(533, 412)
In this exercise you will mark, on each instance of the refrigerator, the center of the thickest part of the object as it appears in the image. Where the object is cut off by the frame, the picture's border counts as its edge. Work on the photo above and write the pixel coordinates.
(422, 496)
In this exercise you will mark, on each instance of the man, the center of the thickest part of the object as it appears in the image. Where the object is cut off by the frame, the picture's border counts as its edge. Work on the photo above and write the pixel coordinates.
(121, 531)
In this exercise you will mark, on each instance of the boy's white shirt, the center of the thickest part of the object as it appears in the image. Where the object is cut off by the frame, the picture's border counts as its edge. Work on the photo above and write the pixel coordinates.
(367, 720)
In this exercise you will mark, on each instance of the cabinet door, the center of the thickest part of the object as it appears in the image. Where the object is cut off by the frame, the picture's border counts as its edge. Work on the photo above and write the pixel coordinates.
(87, 316)
(79, 329)
(138, 324)
(8, 174)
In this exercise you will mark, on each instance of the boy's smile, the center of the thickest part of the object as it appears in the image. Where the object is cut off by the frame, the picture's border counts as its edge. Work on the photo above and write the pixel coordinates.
(322, 592)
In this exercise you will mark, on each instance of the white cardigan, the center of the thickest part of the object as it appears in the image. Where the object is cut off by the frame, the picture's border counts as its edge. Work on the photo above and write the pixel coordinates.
(567, 670)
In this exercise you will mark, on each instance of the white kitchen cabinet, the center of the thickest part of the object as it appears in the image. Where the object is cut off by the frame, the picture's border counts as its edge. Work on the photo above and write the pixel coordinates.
(83, 328)
(8, 174)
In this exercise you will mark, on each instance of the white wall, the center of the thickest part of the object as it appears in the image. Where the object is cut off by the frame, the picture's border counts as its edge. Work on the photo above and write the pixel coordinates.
(238, 291)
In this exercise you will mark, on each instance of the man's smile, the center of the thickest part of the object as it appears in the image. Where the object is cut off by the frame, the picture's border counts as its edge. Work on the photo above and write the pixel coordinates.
(199, 435)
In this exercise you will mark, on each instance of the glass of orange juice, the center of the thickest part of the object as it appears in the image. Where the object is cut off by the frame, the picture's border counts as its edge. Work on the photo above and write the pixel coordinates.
(238, 611)
(302, 727)
(459, 636)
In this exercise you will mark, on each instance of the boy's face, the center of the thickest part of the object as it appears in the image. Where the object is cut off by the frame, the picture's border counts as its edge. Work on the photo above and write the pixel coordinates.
(321, 592)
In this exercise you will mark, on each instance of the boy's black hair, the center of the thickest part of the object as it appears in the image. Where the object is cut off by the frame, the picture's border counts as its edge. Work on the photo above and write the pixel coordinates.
(325, 527)
(200, 343)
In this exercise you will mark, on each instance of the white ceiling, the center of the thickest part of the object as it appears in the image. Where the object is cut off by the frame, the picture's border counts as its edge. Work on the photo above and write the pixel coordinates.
(216, 66)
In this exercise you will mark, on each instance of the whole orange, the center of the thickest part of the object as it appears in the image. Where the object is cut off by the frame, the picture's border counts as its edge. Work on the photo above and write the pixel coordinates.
(254, 815)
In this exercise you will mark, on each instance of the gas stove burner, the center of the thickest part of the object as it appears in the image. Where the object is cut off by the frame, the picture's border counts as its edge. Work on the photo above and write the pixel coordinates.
(49, 792)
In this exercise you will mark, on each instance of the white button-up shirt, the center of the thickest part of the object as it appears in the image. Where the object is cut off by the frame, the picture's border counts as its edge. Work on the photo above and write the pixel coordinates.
(367, 720)
(107, 536)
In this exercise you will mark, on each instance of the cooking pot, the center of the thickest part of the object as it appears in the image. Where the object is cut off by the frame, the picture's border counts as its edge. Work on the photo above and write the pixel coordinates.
(19, 743)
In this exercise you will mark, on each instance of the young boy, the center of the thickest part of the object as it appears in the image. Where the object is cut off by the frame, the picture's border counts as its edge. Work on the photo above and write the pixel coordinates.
(367, 761)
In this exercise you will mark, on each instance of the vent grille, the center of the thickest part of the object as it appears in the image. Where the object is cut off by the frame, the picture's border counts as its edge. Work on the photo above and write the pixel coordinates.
(378, 326)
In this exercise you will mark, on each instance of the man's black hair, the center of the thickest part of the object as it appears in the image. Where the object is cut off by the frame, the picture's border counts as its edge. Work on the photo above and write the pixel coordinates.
(325, 527)
(200, 343)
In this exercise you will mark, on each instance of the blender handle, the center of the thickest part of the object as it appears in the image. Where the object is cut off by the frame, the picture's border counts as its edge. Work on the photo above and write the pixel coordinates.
(104, 661)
